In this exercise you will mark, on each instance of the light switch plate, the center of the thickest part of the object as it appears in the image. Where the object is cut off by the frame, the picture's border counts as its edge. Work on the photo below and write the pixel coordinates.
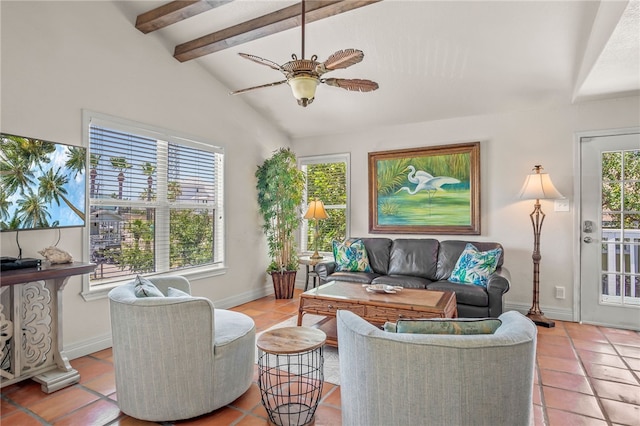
(561, 205)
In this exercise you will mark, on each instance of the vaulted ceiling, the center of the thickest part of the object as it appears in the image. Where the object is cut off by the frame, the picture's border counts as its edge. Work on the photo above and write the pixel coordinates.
(432, 59)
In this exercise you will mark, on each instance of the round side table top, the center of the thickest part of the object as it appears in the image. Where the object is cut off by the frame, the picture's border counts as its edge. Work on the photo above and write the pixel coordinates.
(290, 340)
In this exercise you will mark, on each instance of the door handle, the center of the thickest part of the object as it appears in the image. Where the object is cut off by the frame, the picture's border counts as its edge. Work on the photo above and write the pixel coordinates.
(587, 240)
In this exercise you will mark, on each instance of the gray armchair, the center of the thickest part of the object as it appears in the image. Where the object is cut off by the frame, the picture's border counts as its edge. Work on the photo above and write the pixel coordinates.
(417, 379)
(177, 357)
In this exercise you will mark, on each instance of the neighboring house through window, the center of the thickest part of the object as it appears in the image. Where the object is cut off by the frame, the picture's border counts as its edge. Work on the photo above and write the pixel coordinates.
(327, 178)
(155, 201)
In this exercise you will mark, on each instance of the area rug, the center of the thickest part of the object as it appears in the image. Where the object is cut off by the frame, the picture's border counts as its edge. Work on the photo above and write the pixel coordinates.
(331, 366)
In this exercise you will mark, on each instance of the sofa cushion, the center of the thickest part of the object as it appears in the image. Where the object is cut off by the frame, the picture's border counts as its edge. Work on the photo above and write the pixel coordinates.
(378, 251)
(444, 326)
(450, 252)
(473, 295)
(142, 287)
(474, 266)
(405, 281)
(354, 277)
(415, 257)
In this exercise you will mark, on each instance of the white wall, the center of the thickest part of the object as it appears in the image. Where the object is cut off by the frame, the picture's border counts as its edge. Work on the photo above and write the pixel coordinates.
(511, 144)
(61, 57)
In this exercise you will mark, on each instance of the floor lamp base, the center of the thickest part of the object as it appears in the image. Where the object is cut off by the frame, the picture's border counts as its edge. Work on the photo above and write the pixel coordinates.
(540, 319)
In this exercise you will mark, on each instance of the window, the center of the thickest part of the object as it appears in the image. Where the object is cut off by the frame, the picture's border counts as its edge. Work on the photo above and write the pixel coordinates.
(155, 201)
(327, 180)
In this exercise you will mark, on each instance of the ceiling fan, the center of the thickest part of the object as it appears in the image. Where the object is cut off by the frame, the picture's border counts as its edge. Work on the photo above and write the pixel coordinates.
(304, 75)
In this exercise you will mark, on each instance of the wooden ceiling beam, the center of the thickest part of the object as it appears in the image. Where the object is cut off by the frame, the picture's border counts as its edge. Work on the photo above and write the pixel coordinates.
(173, 12)
(263, 26)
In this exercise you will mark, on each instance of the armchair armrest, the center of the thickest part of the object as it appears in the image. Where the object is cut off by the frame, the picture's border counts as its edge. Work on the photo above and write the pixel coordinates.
(325, 269)
(498, 284)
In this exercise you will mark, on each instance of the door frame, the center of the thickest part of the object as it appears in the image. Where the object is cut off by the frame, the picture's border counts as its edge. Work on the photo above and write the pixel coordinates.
(577, 204)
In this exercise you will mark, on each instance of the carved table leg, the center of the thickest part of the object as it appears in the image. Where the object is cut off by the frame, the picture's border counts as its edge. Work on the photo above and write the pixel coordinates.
(63, 375)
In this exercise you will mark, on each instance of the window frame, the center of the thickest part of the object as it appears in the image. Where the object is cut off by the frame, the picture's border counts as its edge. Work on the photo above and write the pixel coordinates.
(323, 159)
(92, 292)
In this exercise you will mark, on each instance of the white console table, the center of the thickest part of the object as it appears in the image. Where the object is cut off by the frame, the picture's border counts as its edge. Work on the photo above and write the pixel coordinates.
(31, 325)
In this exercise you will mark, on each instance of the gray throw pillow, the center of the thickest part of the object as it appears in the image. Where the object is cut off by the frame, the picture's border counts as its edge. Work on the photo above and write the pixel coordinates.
(174, 292)
(444, 326)
(145, 288)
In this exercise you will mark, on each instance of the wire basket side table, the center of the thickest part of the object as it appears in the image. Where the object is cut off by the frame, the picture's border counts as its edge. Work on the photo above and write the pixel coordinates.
(291, 374)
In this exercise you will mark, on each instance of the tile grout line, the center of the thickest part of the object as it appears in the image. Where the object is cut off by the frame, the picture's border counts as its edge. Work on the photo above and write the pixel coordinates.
(589, 378)
(25, 410)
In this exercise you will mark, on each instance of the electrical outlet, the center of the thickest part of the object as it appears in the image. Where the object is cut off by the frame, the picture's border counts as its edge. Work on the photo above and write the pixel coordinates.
(559, 292)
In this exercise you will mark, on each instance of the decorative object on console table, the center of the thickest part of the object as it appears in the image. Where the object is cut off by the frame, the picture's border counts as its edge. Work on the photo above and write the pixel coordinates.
(316, 212)
(432, 190)
(280, 187)
(55, 255)
(538, 186)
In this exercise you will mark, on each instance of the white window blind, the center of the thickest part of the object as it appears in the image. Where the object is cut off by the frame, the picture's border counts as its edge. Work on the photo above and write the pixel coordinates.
(156, 201)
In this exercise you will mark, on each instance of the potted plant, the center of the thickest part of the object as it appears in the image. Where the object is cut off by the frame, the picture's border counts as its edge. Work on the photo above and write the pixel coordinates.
(280, 188)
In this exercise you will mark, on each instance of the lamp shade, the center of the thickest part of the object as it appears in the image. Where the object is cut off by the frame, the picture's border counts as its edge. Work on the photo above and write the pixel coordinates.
(303, 87)
(538, 186)
(316, 210)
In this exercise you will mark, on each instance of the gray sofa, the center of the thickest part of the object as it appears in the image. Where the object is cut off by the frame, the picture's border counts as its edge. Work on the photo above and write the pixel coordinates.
(440, 380)
(426, 263)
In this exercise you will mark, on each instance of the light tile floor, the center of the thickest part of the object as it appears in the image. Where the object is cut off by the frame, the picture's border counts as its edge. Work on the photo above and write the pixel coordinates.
(585, 375)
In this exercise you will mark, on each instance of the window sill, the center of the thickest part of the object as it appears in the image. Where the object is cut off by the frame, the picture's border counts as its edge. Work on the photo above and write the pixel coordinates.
(191, 274)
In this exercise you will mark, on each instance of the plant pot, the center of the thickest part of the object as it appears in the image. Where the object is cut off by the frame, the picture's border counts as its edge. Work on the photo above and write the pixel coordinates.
(283, 284)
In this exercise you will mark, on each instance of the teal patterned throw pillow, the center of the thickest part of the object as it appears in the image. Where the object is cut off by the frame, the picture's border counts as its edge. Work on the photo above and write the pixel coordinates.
(475, 267)
(351, 256)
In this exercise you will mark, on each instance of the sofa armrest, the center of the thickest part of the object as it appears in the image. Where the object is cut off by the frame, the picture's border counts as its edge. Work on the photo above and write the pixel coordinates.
(498, 284)
(325, 269)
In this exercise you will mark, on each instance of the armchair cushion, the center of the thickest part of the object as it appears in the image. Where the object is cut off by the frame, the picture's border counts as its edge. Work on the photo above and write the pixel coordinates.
(145, 288)
(474, 266)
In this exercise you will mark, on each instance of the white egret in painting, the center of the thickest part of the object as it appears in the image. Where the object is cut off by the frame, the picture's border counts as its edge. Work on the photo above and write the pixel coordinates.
(426, 182)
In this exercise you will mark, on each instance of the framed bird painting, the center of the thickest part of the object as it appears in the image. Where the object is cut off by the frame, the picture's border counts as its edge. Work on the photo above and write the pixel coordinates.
(431, 190)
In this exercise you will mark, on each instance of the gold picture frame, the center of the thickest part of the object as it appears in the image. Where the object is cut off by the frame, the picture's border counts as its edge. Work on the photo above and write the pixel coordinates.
(431, 190)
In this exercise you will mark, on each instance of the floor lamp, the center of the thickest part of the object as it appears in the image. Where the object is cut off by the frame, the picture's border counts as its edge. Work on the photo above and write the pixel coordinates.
(538, 186)
(316, 211)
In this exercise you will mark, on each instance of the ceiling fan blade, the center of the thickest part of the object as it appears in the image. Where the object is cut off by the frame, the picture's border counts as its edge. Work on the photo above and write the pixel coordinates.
(341, 59)
(355, 84)
(277, 83)
(262, 61)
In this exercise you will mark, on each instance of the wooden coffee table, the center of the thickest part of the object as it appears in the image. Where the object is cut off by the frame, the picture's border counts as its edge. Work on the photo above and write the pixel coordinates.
(377, 308)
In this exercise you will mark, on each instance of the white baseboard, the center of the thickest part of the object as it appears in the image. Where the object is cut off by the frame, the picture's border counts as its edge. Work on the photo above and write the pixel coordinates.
(248, 296)
(89, 346)
(98, 343)
(551, 313)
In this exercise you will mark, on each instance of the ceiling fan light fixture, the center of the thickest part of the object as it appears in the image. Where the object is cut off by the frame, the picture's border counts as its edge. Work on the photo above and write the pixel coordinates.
(304, 88)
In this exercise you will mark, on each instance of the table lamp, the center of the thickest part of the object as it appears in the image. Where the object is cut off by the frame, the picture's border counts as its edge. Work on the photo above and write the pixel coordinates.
(538, 186)
(316, 211)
